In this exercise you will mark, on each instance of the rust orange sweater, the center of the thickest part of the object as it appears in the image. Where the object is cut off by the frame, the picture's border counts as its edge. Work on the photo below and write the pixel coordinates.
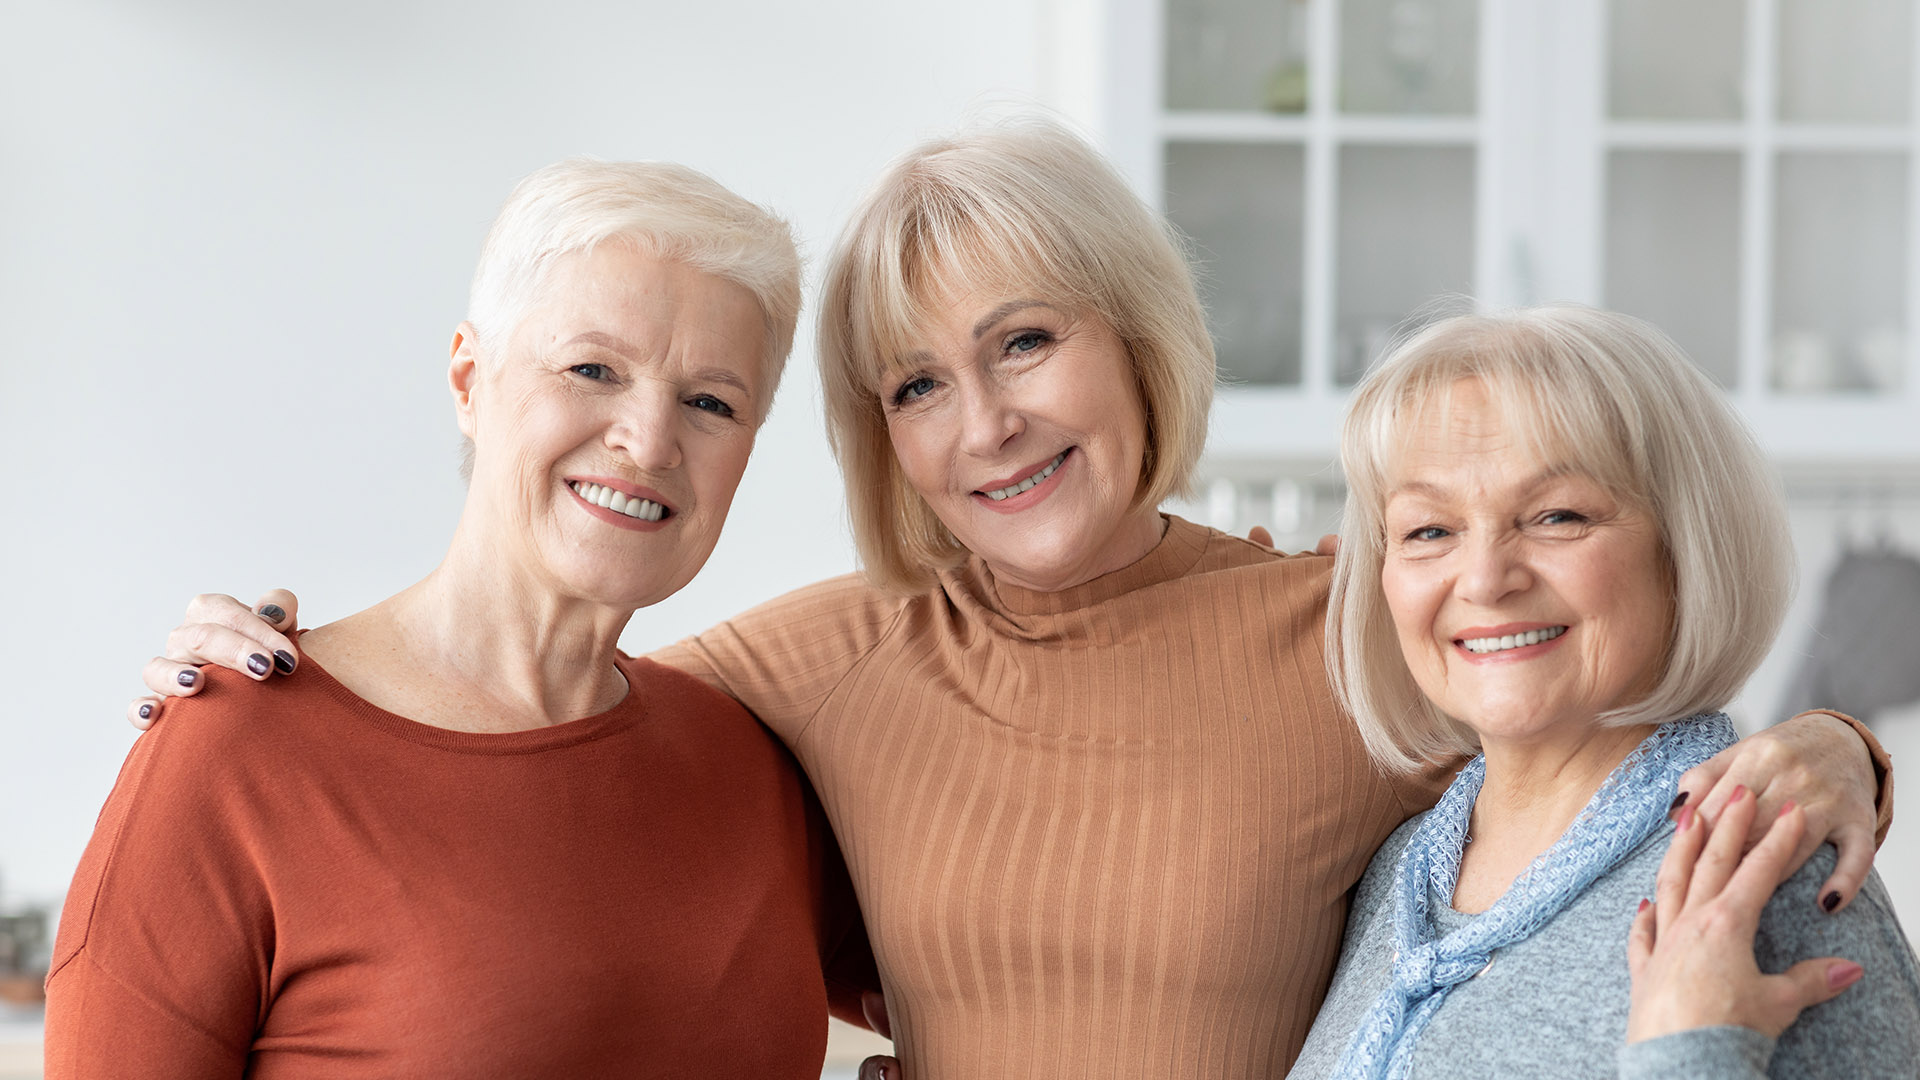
(1105, 832)
(290, 882)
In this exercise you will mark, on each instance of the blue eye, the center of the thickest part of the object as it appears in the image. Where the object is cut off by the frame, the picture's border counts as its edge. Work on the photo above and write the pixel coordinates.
(1026, 341)
(1428, 532)
(591, 371)
(1562, 517)
(917, 387)
(709, 403)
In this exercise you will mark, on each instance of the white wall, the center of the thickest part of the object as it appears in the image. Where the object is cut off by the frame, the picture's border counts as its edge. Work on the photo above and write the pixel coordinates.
(234, 241)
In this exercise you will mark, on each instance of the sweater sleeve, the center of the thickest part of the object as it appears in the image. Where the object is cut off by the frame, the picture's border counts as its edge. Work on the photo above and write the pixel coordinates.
(1882, 774)
(101, 1026)
(1714, 1053)
(160, 966)
(783, 658)
(1871, 1029)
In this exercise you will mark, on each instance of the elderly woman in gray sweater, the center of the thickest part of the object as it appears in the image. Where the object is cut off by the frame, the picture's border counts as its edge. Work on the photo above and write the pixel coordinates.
(1564, 552)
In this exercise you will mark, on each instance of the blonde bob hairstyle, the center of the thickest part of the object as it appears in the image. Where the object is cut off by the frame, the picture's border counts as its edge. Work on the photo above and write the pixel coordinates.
(1019, 208)
(666, 210)
(1608, 397)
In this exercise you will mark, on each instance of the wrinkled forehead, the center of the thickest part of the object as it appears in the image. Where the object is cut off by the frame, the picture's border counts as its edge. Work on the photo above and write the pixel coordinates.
(1433, 420)
(627, 298)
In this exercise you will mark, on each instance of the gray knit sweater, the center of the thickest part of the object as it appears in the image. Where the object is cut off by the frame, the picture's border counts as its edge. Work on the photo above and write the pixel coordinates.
(1556, 1004)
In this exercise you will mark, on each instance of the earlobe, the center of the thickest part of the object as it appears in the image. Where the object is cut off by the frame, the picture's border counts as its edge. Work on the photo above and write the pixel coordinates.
(463, 375)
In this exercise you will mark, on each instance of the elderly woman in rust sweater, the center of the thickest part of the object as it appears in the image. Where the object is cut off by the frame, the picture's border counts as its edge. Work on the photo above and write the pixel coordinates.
(1100, 808)
(468, 837)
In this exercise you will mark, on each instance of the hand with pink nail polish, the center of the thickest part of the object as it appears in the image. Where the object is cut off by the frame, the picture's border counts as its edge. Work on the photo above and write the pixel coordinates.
(1691, 950)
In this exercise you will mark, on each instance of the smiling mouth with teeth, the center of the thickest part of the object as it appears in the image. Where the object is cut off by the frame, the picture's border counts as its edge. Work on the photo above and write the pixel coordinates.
(1484, 645)
(618, 501)
(1030, 482)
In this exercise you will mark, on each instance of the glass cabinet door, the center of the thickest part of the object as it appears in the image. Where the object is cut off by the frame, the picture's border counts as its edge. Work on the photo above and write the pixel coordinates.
(1739, 172)
(1244, 206)
(1758, 190)
(1323, 156)
(1236, 54)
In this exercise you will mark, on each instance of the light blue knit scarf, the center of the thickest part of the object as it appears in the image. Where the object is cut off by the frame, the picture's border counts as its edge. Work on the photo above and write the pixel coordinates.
(1627, 809)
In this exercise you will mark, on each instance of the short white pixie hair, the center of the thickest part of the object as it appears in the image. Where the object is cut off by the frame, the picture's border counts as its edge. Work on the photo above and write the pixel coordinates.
(1605, 396)
(664, 209)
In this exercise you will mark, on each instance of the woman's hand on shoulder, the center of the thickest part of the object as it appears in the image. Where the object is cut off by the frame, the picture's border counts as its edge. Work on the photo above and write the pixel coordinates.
(1818, 762)
(1328, 545)
(879, 1066)
(217, 629)
(1690, 951)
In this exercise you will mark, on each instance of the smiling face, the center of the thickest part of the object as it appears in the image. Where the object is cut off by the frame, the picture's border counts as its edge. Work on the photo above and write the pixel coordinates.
(613, 425)
(1019, 422)
(1527, 599)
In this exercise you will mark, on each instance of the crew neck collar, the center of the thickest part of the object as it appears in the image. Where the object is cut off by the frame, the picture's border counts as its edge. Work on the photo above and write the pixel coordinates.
(623, 715)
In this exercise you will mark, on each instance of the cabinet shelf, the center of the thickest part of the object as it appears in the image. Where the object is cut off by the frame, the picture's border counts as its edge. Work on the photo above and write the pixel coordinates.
(1682, 135)
(1190, 126)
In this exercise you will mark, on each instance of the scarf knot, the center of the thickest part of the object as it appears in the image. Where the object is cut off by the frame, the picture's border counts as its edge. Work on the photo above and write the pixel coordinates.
(1629, 807)
(1421, 971)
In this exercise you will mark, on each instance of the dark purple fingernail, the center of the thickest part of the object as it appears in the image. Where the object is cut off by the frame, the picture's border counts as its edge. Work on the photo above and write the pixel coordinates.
(283, 660)
(187, 677)
(1679, 801)
(146, 711)
(258, 664)
(273, 613)
(1831, 900)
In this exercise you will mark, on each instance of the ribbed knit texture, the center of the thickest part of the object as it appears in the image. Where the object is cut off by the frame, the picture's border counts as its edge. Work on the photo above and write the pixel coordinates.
(1104, 832)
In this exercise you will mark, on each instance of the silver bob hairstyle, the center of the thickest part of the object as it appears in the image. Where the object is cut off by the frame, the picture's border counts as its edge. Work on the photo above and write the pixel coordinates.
(1022, 207)
(1591, 392)
(663, 209)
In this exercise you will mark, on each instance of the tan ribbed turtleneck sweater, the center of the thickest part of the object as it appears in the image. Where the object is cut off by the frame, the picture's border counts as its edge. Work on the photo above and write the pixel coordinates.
(1102, 832)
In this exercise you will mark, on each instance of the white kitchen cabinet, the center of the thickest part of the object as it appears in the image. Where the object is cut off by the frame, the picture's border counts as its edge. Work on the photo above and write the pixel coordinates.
(1740, 172)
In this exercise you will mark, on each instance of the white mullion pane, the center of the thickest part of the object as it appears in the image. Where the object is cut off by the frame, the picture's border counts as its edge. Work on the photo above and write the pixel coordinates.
(1241, 205)
(1674, 59)
(1322, 199)
(1409, 57)
(1844, 61)
(1673, 249)
(1237, 54)
(1839, 272)
(1406, 238)
(1756, 282)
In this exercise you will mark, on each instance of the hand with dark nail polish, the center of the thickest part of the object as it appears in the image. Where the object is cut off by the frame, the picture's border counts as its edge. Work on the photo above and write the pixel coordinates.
(1830, 901)
(273, 613)
(258, 664)
(146, 712)
(187, 678)
(283, 660)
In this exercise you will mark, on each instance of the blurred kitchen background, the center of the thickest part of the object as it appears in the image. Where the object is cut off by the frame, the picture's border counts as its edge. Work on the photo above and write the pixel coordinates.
(235, 238)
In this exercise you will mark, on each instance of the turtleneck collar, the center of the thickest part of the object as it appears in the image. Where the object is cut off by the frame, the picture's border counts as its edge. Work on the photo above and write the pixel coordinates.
(1179, 549)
